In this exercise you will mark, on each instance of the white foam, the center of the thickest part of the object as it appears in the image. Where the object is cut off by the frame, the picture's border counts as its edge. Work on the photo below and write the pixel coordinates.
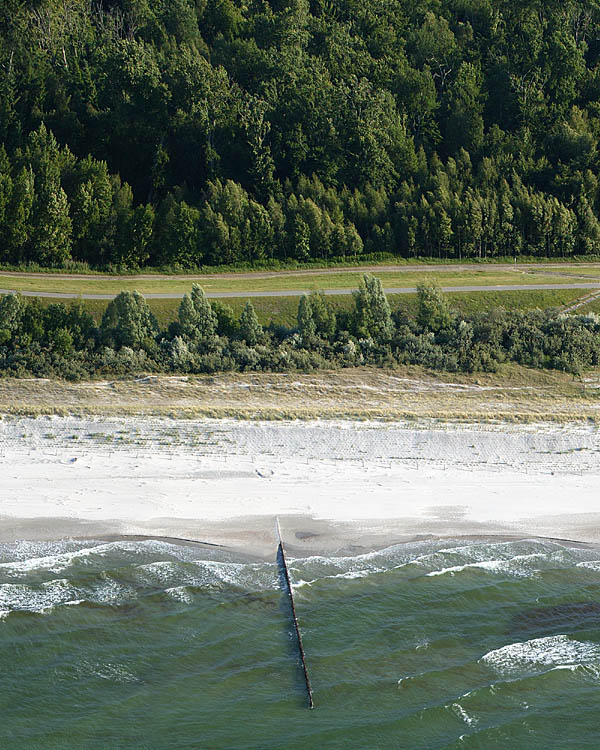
(459, 711)
(107, 671)
(61, 561)
(180, 594)
(59, 591)
(506, 567)
(16, 596)
(533, 556)
(542, 654)
(250, 576)
(348, 575)
(591, 564)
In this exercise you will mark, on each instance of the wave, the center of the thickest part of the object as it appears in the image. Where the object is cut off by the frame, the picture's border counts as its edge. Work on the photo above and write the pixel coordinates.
(542, 655)
(525, 558)
(69, 553)
(209, 574)
(113, 572)
(20, 597)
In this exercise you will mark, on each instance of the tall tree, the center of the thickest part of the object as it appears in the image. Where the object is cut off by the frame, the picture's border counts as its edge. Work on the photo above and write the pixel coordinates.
(372, 314)
(250, 329)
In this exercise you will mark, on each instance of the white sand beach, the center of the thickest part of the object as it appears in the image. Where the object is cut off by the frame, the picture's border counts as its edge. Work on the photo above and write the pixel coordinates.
(336, 485)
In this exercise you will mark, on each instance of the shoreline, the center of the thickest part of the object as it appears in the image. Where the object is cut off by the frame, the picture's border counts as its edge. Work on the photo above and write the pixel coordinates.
(338, 487)
(250, 547)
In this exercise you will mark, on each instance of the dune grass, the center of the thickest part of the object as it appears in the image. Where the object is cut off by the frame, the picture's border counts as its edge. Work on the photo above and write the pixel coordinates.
(515, 393)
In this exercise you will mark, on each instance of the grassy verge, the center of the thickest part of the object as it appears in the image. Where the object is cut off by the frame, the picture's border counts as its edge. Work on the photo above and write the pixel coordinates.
(282, 310)
(280, 282)
(290, 264)
(515, 394)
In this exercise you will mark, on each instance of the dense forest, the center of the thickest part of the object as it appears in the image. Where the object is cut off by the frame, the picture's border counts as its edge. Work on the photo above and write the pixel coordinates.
(181, 133)
(207, 337)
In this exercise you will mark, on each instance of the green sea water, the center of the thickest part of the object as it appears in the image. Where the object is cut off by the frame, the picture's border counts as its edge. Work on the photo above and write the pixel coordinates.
(432, 644)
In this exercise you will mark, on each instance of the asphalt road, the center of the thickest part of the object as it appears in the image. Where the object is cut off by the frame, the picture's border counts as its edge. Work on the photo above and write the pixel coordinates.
(300, 292)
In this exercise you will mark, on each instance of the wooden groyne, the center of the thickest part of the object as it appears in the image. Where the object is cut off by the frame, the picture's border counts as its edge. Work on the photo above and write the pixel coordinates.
(288, 585)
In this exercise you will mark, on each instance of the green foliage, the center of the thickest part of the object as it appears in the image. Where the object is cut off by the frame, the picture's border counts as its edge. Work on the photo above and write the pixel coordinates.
(128, 322)
(227, 324)
(206, 317)
(191, 132)
(10, 312)
(306, 322)
(250, 329)
(189, 319)
(315, 318)
(60, 341)
(372, 314)
(433, 312)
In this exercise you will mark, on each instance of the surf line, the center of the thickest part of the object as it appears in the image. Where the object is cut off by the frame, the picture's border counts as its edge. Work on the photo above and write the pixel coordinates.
(284, 568)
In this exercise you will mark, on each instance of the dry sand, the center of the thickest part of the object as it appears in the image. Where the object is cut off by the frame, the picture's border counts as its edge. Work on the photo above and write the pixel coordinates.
(338, 486)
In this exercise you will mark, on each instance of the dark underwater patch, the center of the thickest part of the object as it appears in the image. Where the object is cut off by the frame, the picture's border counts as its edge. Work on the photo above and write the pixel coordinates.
(558, 618)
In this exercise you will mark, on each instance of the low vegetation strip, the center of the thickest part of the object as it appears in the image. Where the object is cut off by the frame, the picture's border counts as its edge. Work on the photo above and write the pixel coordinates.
(518, 394)
(573, 266)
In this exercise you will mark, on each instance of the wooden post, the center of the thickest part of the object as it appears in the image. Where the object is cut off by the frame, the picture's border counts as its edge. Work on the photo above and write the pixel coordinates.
(286, 575)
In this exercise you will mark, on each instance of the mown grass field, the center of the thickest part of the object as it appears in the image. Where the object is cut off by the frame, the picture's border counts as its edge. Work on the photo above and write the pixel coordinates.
(283, 281)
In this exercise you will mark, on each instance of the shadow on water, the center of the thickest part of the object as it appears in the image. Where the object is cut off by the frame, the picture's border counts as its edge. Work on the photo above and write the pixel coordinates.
(555, 619)
(293, 646)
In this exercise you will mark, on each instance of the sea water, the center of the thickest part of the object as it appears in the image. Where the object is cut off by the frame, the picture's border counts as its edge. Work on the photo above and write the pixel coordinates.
(432, 644)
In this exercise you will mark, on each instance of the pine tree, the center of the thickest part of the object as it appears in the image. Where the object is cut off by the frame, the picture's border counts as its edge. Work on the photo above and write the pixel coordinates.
(306, 322)
(301, 239)
(354, 243)
(465, 122)
(92, 213)
(10, 316)
(207, 320)
(189, 319)
(323, 315)
(18, 216)
(133, 244)
(51, 238)
(6, 191)
(251, 330)
(178, 234)
(589, 227)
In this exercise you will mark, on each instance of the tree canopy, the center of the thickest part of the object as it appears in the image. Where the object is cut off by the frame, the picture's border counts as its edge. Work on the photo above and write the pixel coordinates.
(187, 133)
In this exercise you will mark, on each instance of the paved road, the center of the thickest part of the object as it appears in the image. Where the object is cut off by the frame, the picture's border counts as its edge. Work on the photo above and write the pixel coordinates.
(556, 268)
(300, 292)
